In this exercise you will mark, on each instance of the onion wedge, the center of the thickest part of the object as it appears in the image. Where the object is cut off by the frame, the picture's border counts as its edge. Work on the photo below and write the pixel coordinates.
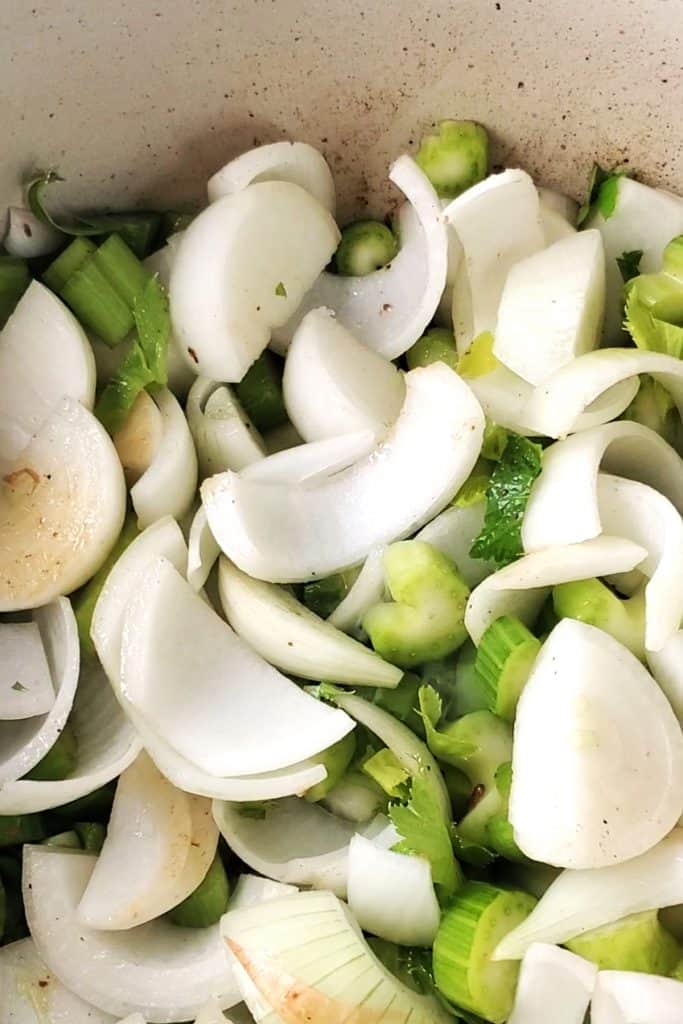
(26, 688)
(453, 533)
(622, 997)
(161, 971)
(367, 590)
(521, 588)
(296, 162)
(666, 665)
(202, 550)
(313, 461)
(389, 309)
(553, 977)
(242, 268)
(224, 435)
(285, 534)
(168, 485)
(180, 374)
(290, 636)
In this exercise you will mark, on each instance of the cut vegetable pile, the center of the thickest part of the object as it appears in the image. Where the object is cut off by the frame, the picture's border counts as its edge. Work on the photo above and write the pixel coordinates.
(341, 602)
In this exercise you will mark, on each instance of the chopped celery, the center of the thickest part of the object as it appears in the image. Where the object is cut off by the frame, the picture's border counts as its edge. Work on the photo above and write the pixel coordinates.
(60, 760)
(16, 829)
(425, 834)
(116, 401)
(487, 743)
(546, 619)
(97, 304)
(122, 269)
(479, 358)
(68, 262)
(385, 769)
(336, 760)
(322, 596)
(65, 840)
(153, 325)
(91, 834)
(456, 158)
(402, 702)
(209, 901)
(498, 828)
(470, 929)
(442, 675)
(648, 331)
(469, 693)
(672, 258)
(597, 177)
(506, 654)
(14, 280)
(365, 245)
(635, 943)
(654, 407)
(426, 619)
(593, 602)
(260, 393)
(436, 345)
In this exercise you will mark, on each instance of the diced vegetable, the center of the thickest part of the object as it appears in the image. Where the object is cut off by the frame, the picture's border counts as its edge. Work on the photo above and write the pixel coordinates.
(505, 657)
(436, 345)
(336, 759)
(627, 995)
(636, 943)
(456, 158)
(296, 162)
(209, 901)
(260, 393)
(356, 798)
(592, 602)
(365, 246)
(552, 977)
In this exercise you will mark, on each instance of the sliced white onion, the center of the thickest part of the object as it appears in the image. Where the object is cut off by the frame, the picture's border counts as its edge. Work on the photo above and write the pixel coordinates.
(170, 636)
(26, 688)
(242, 268)
(453, 532)
(224, 435)
(180, 373)
(287, 634)
(375, 878)
(521, 588)
(552, 306)
(666, 665)
(389, 309)
(366, 590)
(135, 1018)
(252, 890)
(202, 550)
(313, 461)
(641, 514)
(210, 1013)
(629, 997)
(168, 486)
(34, 379)
(498, 223)
(553, 978)
(335, 385)
(31, 994)
(579, 901)
(159, 845)
(138, 440)
(164, 972)
(28, 237)
(296, 162)
(444, 312)
(563, 504)
(559, 203)
(62, 505)
(285, 533)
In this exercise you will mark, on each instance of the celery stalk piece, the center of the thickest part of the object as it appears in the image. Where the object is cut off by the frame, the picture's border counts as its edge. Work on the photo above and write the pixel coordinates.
(454, 159)
(653, 407)
(453, 532)
(336, 759)
(435, 344)
(296, 162)
(60, 760)
(505, 657)
(209, 901)
(68, 262)
(635, 943)
(425, 619)
(385, 769)
(592, 602)
(97, 303)
(122, 269)
(365, 246)
(260, 393)
(14, 280)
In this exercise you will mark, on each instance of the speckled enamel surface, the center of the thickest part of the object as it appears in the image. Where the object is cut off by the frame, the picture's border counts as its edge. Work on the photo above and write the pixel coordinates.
(139, 102)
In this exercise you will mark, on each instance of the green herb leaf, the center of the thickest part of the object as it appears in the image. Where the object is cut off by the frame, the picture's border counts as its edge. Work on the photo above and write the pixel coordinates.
(420, 823)
(444, 747)
(598, 177)
(500, 540)
(280, 290)
(115, 402)
(19, 687)
(386, 770)
(629, 264)
(475, 487)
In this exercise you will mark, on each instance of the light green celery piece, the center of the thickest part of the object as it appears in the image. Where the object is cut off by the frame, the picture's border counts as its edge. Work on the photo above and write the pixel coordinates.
(68, 262)
(365, 246)
(494, 442)
(505, 657)
(209, 901)
(425, 620)
(636, 943)
(336, 760)
(479, 358)
(436, 345)
(649, 331)
(385, 769)
(260, 393)
(672, 258)
(455, 158)
(122, 269)
(592, 602)
(469, 692)
(153, 325)
(654, 407)
(97, 304)
(15, 278)
(499, 832)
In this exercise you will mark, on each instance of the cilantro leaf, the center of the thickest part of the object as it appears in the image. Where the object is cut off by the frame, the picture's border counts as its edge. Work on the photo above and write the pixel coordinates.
(443, 746)
(500, 539)
(629, 264)
(425, 834)
(648, 331)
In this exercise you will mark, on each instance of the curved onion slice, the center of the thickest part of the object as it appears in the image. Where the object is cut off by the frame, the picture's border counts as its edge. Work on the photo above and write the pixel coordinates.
(307, 951)
(334, 385)
(625, 997)
(555, 405)
(313, 461)
(62, 505)
(453, 532)
(560, 203)
(563, 504)
(498, 223)
(167, 487)
(160, 843)
(164, 972)
(242, 267)
(375, 878)
(137, 441)
(643, 515)
(224, 435)
(287, 533)
(597, 768)
(33, 379)
(31, 994)
(202, 550)
(389, 309)
(26, 688)
(552, 977)
(28, 237)
(666, 665)
(296, 162)
(210, 1013)
(521, 588)
(180, 374)
(290, 636)
(366, 590)
(171, 636)
(253, 889)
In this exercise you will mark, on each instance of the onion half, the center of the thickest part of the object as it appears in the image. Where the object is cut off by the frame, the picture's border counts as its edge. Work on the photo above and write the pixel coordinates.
(296, 162)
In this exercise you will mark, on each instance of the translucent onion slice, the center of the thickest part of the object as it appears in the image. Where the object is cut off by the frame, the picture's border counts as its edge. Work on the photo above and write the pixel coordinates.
(253, 889)
(169, 636)
(597, 771)
(160, 843)
(202, 550)
(28, 237)
(552, 977)
(389, 309)
(666, 665)
(167, 487)
(375, 877)
(62, 504)
(521, 588)
(622, 997)
(579, 901)
(224, 435)
(643, 515)
(285, 533)
(296, 162)
(498, 223)
(210, 1013)
(555, 405)
(26, 688)
(161, 971)
(313, 461)
(555, 226)
(559, 203)
(366, 591)
(290, 636)
(180, 373)
(31, 994)
(453, 532)
(563, 505)
(33, 380)
(242, 268)
(335, 385)
(309, 946)
(138, 440)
